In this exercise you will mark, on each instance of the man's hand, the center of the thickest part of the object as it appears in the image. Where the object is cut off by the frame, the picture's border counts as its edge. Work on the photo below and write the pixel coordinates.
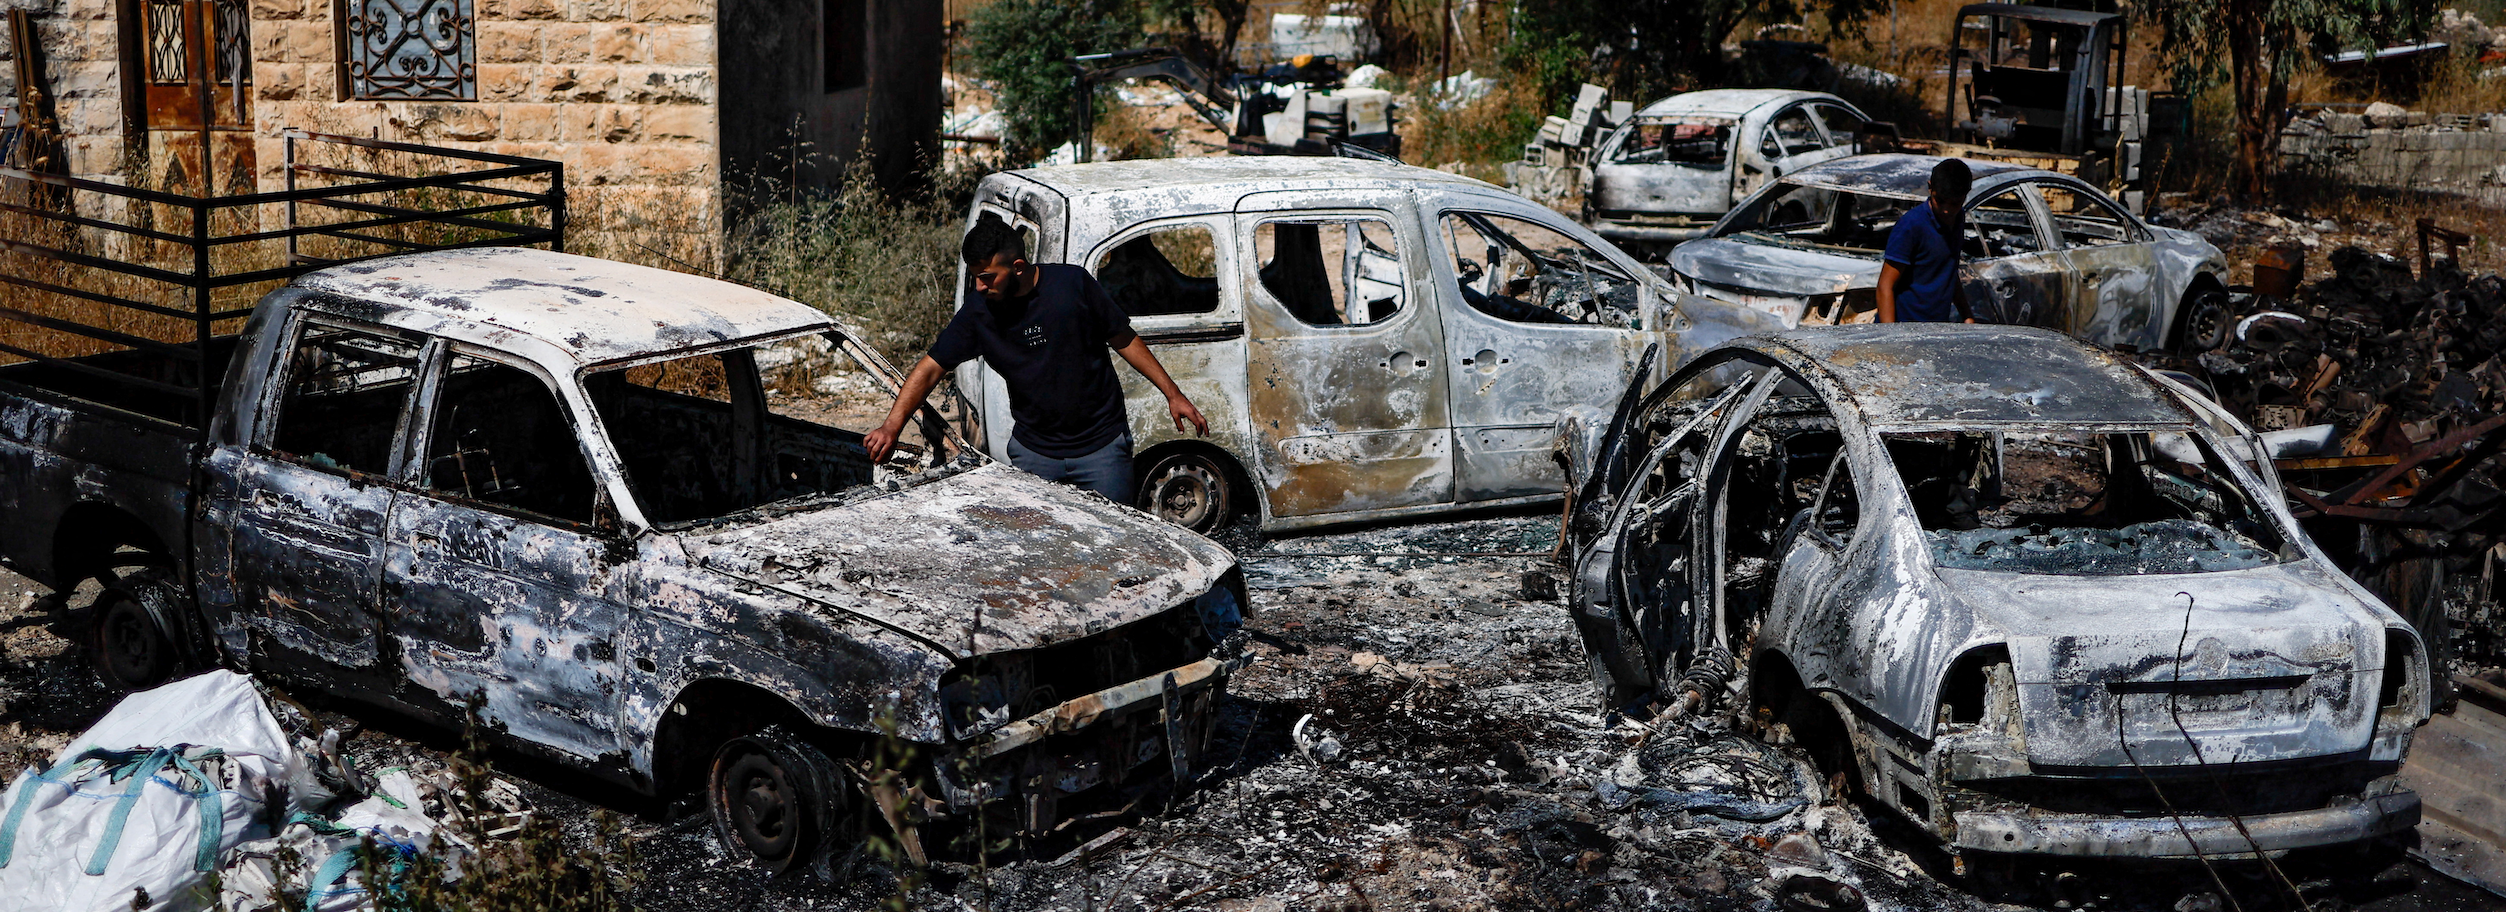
(1182, 410)
(880, 442)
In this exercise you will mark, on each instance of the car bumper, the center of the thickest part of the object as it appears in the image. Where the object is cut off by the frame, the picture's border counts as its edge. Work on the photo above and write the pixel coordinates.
(2024, 832)
(1094, 740)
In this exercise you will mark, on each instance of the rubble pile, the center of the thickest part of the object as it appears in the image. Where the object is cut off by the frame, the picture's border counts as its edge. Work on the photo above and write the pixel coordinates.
(2394, 365)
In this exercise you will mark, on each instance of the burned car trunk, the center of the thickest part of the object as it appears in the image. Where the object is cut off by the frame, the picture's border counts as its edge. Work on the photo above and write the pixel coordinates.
(2018, 591)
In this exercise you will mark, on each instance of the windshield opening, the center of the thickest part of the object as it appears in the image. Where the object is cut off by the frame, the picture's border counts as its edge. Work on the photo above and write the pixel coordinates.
(706, 436)
(2080, 504)
(1801, 214)
(1658, 142)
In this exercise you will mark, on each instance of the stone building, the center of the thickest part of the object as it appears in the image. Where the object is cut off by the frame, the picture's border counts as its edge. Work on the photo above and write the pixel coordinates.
(662, 110)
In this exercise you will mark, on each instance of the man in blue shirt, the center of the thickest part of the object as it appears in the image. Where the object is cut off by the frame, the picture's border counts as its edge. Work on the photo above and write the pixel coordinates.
(1044, 328)
(1918, 280)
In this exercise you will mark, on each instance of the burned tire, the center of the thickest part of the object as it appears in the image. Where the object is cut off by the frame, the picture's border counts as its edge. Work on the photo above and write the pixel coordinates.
(1190, 489)
(139, 634)
(2202, 323)
(776, 799)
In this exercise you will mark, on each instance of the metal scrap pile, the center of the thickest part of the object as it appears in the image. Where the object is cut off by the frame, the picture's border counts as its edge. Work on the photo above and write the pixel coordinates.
(2402, 380)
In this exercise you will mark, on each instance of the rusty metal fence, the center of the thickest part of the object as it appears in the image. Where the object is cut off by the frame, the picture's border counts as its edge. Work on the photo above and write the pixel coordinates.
(128, 288)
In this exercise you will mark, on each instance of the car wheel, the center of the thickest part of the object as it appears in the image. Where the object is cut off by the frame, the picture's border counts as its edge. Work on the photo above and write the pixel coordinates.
(1189, 489)
(134, 647)
(774, 798)
(2203, 324)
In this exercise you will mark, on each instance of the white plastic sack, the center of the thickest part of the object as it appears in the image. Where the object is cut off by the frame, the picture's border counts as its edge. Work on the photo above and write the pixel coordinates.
(214, 758)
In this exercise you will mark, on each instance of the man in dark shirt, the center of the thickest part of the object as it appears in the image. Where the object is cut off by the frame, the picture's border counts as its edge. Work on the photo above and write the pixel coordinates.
(1039, 326)
(1918, 280)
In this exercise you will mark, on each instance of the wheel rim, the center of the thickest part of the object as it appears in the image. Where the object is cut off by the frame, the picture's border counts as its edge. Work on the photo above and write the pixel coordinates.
(134, 651)
(762, 809)
(1186, 493)
(2207, 326)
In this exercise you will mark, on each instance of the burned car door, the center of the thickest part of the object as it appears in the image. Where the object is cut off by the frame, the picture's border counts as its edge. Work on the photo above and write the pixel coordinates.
(501, 583)
(1346, 389)
(2014, 273)
(1637, 548)
(2113, 271)
(311, 502)
(1538, 326)
(1792, 140)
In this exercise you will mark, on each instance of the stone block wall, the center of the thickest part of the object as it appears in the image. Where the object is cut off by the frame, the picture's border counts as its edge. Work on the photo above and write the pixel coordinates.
(82, 64)
(622, 91)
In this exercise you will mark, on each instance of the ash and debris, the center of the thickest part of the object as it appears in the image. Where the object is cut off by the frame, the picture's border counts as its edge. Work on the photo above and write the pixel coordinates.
(1452, 755)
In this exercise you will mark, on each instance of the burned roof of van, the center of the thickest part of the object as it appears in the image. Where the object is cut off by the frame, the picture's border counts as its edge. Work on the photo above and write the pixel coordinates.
(1901, 175)
(1254, 172)
(587, 310)
(1901, 374)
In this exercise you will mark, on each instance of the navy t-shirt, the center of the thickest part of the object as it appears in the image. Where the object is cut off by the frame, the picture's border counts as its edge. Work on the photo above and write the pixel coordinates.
(1049, 348)
(1927, 252)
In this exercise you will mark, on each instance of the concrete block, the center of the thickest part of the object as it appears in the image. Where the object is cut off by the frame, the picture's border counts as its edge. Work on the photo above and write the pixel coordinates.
(567, 42)
(679, 123)
(508, 42)
(507, 82)
(665, 85)
(531, 121)
(670, 10)
(676, 44)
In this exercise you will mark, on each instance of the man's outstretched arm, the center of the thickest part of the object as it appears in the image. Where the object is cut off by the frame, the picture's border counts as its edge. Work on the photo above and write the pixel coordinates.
(1886, 294)
(1137, 352)
(918, 383)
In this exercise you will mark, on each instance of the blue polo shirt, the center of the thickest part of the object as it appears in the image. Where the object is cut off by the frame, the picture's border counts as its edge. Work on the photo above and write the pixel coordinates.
(1927, 252)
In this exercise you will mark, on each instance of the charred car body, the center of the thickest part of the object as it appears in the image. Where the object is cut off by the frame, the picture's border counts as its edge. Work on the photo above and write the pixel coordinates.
(1676, 166)
(606, 501)
(2028, 596)
(2042, 249)
(1368, 340)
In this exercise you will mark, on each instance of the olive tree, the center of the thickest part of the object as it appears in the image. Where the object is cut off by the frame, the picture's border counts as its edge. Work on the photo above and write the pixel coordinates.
(2259, 43)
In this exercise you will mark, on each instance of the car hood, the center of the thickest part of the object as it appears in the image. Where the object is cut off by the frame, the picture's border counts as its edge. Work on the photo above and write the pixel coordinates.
(1734, 262)
(2269, 663)
(984, 561)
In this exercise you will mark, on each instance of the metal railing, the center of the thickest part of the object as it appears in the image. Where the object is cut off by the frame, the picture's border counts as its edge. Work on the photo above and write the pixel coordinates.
(159, 271)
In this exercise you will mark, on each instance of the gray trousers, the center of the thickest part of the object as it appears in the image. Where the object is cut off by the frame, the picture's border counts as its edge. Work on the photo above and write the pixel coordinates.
(1106, 471)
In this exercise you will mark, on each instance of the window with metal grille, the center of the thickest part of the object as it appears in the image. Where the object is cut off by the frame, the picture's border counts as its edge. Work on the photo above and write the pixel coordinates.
(414, 49)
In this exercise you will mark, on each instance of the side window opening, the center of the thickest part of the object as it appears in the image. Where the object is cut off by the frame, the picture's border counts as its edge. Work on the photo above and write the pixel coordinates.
(1839, 508)
(2002, 226)
(1169, 270)
(1332, 272)
(2083, 220)
(345, 393)
(1524, 272)
(1792, 133)
(1841, 124)
(501, 437)
(1780, 468)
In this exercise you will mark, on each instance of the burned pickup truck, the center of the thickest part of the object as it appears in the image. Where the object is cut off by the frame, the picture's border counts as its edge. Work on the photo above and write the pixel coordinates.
(629, 511)
(2023, 594)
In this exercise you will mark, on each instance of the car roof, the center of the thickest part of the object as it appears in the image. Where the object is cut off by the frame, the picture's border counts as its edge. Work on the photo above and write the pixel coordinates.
(1914, 374)
(2036, 13)
(1727, 102)
(1250, 173)
(552, 306)
(1905, 175)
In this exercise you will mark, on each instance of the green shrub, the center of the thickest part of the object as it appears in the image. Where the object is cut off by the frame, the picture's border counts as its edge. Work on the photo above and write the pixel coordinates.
(1023, 48)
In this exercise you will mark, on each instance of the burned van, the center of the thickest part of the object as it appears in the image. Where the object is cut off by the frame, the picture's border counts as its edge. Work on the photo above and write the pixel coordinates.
(1368, 340)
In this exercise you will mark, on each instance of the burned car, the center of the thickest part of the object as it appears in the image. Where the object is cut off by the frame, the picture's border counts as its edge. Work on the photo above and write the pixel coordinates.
(623, 515)
(1677, 165)
(2027, 596)
(2042, 249)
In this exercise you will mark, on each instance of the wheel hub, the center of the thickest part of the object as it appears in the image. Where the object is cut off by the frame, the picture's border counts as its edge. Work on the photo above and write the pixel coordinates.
(1182, 494)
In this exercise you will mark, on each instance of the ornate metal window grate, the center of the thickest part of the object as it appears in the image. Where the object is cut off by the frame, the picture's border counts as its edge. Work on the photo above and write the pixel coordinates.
(167, 62)
(234, 36)
(420, 49)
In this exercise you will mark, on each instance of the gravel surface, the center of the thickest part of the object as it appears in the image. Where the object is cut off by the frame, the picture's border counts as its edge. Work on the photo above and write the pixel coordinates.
(1416, 734)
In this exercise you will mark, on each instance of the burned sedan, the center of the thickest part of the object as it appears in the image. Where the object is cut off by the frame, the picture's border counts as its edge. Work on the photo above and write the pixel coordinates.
(2042, 249)
(1678, 164)
(2027, 596)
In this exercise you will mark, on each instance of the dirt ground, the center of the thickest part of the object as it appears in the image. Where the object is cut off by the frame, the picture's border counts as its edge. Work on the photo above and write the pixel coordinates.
(1416, 735)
